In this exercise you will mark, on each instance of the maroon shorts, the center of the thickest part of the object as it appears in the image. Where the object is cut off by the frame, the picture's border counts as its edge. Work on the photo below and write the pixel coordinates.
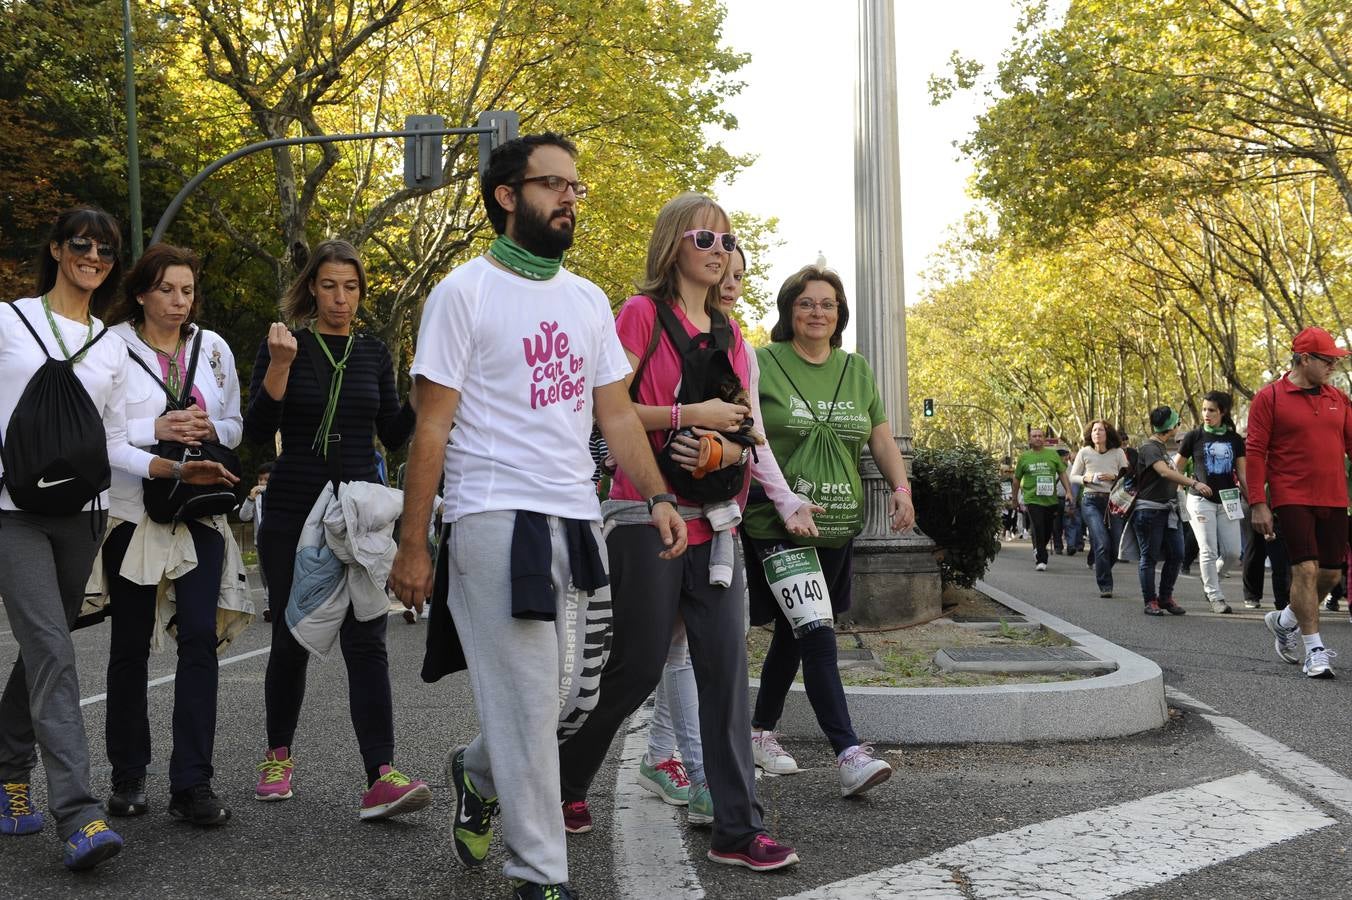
(1314, 532)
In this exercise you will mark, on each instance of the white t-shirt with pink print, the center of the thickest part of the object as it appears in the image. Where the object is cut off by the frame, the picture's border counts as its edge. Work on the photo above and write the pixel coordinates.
(525, 356)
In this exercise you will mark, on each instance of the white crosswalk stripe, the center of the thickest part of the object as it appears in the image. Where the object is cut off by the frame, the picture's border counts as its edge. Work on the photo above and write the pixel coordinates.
(1101, 853)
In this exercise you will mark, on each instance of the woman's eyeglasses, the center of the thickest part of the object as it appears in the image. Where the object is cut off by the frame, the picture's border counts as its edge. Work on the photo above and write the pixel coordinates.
(81, 245)
(704, 239)
(826, 306)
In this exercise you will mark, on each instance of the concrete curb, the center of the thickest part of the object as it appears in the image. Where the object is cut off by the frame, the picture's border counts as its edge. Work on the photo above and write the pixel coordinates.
(1128, 701)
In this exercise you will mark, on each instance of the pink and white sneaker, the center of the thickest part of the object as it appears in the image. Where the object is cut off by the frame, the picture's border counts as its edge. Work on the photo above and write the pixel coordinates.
(394, 794)
(762, 854)
(274, 775)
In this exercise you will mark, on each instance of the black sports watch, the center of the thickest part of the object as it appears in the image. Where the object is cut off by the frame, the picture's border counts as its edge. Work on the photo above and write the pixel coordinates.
(661, 498)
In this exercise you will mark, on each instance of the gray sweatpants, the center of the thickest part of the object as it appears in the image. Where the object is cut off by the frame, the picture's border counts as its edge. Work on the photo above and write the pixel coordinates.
(520, 682)
(44, 564)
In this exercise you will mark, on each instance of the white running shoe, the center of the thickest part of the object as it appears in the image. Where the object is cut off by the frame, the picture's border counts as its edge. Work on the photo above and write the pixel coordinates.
(1218, 605)
(770, 756)
(1041, 567)
(1287, 640)
(860, 770)
(1317, 663)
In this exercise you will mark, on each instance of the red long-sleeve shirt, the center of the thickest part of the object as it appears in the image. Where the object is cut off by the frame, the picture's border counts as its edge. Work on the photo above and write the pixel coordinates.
(1296, 445)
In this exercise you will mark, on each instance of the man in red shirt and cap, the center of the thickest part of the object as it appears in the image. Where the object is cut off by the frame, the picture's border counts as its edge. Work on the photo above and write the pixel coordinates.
(1300, 434)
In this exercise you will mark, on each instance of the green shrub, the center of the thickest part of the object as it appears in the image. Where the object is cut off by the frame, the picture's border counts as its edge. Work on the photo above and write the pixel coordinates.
(957, 504)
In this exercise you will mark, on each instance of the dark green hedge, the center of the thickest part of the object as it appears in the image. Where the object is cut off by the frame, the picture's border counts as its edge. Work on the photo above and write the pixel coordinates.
(957, 504)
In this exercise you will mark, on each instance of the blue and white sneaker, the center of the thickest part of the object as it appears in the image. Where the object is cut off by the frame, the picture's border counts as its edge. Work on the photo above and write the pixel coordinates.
(91, 845)
(1287, 640)
(17, 815)
(1317, 663)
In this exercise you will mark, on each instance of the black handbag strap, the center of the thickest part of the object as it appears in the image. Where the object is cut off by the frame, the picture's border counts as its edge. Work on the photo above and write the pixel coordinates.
(324, 377)
(183, 400)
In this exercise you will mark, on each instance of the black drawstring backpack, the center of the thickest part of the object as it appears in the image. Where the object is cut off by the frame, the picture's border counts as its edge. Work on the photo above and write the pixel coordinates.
(55, 450)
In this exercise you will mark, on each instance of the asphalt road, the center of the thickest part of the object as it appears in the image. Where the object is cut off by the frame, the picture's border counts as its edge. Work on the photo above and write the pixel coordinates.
(944, 802)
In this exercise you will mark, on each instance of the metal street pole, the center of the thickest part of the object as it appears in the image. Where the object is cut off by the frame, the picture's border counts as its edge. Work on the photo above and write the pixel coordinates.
(896, 578)
(133, 153)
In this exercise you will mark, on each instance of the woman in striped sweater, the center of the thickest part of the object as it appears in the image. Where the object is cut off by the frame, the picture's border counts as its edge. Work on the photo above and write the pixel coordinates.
(325, 388)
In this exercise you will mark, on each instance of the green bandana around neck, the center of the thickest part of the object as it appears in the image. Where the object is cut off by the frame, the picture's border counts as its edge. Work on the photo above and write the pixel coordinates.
(522, 261)
(321, 442)
(1215, 429)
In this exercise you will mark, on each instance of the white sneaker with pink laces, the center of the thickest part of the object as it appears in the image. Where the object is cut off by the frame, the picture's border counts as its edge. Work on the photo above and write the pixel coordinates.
(770, 756)
(859, 770)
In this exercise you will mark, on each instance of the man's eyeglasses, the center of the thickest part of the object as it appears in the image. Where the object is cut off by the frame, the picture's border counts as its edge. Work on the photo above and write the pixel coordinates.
(704, 239)
(826, 306)
(559, 184)
(81, 245)
(1326, 360)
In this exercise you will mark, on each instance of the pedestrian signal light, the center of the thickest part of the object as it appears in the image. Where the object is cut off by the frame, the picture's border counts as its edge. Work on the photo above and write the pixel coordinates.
(929, 407)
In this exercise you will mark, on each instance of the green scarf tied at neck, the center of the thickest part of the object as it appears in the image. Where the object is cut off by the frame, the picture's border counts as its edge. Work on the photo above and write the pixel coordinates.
(522, 261)
(321, 443)
(1215, 429)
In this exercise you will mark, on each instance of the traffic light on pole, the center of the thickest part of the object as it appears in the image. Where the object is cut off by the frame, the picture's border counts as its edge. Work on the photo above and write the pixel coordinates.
(929, 407)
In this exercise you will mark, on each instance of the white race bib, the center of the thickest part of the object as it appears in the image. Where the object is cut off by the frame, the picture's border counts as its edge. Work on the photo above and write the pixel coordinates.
(1046, 486)
(1234, 509)
(795, 579)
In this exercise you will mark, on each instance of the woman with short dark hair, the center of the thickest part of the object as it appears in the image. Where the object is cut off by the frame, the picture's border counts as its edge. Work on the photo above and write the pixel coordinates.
(169, 355)
(806, 380)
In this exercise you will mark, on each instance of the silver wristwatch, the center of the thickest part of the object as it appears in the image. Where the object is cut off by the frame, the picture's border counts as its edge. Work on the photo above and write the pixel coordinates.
(176, 472)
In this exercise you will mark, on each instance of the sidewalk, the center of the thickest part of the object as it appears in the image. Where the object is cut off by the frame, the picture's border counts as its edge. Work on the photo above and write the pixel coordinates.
(1127, 701)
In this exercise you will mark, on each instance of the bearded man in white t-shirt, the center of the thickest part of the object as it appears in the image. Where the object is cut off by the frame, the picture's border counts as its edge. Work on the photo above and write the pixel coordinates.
(521, 355)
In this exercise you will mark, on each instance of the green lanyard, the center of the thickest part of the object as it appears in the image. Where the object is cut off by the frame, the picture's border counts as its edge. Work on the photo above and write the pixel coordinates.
(321, 443)
(56, 332)
(172, 380)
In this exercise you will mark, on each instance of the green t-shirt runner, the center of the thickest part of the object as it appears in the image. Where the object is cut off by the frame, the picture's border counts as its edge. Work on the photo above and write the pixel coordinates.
(1037, 473)
(787, 419)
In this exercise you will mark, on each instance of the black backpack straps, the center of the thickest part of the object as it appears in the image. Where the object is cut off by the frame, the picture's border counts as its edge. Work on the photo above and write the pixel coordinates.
(672, 326)
(770, 352)
(721, 331)
(33, 332)
(653, 338)
(843, 369)
(89, 343)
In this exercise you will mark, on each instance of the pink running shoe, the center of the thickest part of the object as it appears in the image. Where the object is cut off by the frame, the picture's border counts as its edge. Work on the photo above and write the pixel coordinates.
(762, 854)
(274, 775)
(576, 817)
(394, 794)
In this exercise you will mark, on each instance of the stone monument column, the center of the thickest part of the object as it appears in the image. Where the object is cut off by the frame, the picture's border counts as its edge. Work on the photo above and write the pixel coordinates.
(896, 577)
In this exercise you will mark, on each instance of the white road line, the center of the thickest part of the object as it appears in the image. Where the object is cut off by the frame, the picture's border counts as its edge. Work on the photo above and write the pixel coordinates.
(1101, 853)
(651, 859)
(229, 660)
(1281, 760)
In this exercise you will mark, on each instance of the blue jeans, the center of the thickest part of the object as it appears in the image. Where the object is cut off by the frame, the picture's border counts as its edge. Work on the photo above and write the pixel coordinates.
(1105, 534)
(1158, 543)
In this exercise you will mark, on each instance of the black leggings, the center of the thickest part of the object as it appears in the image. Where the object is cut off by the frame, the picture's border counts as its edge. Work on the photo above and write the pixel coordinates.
(363, 645)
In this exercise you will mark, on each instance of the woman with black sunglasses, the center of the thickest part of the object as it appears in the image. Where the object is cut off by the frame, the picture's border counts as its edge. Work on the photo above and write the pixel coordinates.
(46, 557)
